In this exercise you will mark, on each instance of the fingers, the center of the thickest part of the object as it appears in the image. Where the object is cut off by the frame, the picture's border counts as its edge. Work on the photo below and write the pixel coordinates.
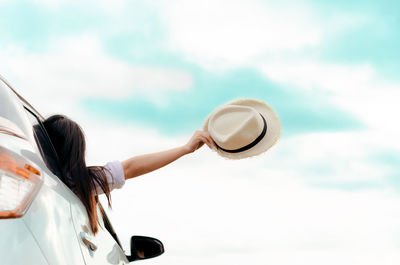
(210, 140)
(200, 144)
(206, 141)
(205, 137)
(200, 138)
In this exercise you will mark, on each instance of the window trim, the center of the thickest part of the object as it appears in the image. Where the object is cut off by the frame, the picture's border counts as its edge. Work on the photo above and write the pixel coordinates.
(108, 226)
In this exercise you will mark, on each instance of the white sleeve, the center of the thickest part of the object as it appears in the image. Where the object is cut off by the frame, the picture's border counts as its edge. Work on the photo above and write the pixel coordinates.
(115, 176)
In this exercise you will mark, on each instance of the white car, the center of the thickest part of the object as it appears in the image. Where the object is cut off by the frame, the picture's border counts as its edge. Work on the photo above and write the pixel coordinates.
(42, 221)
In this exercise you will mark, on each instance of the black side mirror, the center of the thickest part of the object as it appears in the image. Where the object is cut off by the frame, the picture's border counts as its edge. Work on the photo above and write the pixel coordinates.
(143, 247)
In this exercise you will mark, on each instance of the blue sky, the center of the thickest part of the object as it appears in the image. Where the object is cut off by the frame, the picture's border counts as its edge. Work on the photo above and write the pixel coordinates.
(154, 70)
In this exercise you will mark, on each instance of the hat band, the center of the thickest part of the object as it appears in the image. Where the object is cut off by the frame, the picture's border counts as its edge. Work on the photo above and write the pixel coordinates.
(250, 145)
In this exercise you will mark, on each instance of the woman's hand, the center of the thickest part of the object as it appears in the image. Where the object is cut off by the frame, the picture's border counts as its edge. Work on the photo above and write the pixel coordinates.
(198, 139)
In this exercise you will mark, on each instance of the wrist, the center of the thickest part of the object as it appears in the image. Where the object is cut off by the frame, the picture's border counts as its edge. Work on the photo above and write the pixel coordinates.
(185, 150)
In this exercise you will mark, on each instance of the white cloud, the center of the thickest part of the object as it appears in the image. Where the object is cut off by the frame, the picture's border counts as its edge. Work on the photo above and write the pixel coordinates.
(266, 209)
(222, 34)
(77, 67)
(335, 158)
(207, 209)
(225, 33)
(311, 74)
(359, 89)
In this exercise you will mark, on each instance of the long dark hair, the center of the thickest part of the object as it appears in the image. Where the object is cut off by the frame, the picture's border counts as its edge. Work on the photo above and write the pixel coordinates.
(70, 145)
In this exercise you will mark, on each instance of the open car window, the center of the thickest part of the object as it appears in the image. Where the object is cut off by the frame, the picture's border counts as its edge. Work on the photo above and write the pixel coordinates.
(44, 144)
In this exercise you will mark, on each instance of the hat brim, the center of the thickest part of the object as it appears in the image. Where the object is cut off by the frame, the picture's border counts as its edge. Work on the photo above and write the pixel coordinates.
(271, 137)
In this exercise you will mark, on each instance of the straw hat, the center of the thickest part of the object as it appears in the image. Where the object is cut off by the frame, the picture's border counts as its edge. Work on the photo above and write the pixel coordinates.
(243, 128)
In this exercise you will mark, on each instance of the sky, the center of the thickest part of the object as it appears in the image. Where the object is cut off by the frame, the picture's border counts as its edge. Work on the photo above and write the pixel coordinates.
(142, 76)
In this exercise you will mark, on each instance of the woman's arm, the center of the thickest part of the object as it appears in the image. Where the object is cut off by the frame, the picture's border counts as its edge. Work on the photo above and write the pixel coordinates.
(143, 164)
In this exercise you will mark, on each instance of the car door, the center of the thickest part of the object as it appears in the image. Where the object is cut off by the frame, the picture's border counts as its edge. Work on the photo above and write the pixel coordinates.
(96, 249)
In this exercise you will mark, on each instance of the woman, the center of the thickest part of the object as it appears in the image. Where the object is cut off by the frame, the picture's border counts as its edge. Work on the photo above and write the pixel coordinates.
(87, 182)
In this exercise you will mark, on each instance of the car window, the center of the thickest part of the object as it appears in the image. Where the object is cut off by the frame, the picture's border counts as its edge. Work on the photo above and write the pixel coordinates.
(44, 144)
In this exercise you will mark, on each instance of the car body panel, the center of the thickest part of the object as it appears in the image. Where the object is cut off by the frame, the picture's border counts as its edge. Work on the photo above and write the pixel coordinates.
(17, 245)
(49, 220)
